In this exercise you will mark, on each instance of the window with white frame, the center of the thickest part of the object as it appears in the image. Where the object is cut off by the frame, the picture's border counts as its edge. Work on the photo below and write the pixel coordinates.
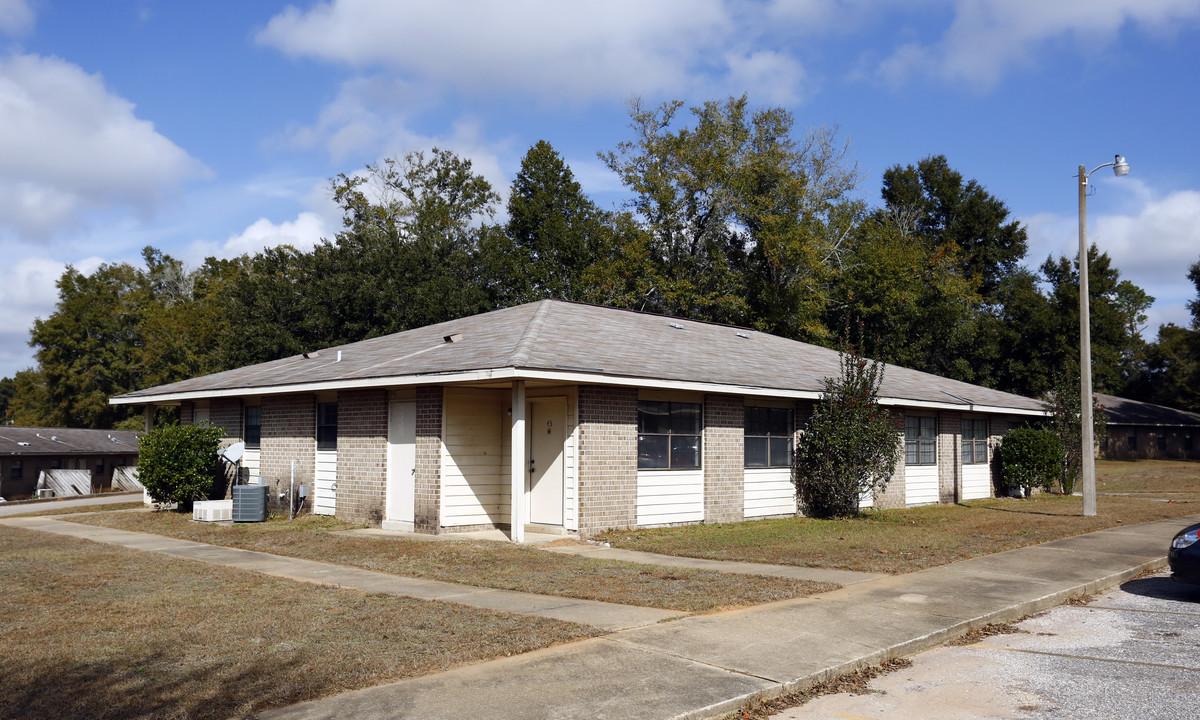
(768, 437)
(974, 442)
(920, 440)
(668, 435)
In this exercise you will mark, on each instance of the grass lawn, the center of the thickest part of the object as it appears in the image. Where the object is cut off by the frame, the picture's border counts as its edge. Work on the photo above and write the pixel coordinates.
(94, 631)
(898, 541)
(481, 563)
(1175, 479)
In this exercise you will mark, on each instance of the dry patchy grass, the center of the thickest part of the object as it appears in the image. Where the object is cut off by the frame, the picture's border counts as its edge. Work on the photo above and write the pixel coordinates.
(93, 631)
(899, 541)
(481, 563)
(1174, 479)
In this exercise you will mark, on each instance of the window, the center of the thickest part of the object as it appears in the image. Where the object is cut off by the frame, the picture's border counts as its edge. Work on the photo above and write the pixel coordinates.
(920, 440)
(668, 435)
(56, 464)
(768, 437)
(99, 468)
(253, 426)
(1187, 442)
(1131, 439)
(327, 426)
(1162, 441)
(14, 471)
(974, 442)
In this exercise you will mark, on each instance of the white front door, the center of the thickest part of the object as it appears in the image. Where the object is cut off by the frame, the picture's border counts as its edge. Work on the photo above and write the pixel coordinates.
(547, 420)
(401, 467)
(324, 500)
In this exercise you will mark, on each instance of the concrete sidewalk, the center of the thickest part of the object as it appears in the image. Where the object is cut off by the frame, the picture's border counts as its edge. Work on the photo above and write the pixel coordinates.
(608, 616)
(707, 665)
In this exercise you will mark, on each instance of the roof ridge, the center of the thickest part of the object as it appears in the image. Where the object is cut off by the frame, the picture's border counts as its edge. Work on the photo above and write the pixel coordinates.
(528, 338)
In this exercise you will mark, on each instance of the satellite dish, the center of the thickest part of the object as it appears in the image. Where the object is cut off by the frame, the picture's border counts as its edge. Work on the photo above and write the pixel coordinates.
(233, 453)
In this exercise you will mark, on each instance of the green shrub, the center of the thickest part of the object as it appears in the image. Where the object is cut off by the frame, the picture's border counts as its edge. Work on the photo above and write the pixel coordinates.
(179, 463)
(849, 445)
(1029, 458)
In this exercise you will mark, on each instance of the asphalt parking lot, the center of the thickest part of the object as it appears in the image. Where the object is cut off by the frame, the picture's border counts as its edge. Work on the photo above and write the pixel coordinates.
(1133, 652)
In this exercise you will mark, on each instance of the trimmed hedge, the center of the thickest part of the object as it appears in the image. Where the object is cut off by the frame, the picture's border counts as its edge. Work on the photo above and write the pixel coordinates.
(1029, 458)
(179, 463)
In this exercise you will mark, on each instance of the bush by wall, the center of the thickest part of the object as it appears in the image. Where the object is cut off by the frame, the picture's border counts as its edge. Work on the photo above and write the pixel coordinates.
(1029, 458)
(179, 463)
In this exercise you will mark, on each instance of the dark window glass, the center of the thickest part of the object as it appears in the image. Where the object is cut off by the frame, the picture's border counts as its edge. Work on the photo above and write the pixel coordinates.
(1187, 442)
(254, 426)
(768, 439)
(100, 468)
(14, 471)
(327, 426)
(974, 442)
(920, 440)
(1162, 441)
(1132, 440)
(668, 435)
(55, 464)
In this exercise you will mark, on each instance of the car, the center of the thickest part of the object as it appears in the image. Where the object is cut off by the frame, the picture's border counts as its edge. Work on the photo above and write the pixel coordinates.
(1184, 555)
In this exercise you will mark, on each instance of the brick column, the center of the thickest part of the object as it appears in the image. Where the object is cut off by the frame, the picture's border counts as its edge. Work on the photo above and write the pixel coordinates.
(427, 513)
(607, 459)
(949, 456)
(362, 456)
(289, 425)
(724, 458)
(894, 495)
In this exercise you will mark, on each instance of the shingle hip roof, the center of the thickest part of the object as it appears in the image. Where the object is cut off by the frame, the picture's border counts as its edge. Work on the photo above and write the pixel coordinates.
(66, 441)
(585, 340)
(1123, 411)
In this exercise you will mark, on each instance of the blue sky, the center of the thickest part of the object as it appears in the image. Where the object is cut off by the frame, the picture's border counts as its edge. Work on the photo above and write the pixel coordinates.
(212, 128)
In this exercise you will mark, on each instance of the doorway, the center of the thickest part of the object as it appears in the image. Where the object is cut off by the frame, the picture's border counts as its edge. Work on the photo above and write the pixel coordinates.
(547, 419)
(401, 466)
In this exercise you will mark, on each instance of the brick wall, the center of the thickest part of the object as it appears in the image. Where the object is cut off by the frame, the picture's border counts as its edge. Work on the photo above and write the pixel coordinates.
(724, 458)
(226, 413)
(362, 456)
(288, 433)
(607, 459)
(893, 495)
(427, 513)
(949, 458)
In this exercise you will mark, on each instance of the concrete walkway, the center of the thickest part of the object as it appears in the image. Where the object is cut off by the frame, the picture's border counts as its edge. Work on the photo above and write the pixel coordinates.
(82, 503)
(704, 666)
(608, 616)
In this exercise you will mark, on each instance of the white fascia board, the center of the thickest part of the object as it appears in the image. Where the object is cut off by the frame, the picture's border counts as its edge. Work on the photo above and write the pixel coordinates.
(558, 376)
(989, 409)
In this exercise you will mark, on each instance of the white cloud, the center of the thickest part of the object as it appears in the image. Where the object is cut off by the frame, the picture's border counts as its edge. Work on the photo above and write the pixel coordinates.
(988, 37)
(69, 144)
(1153, 247)
(302, 233)
(16, 17)
(546, 49)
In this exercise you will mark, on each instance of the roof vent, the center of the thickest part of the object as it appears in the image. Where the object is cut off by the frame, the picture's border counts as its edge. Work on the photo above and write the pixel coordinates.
(23, 444)
(311, 355)
(743, 336)
(452, 337)
(675, 325)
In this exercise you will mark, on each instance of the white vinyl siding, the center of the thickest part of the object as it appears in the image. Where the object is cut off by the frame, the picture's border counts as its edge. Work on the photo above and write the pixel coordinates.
(325, 495)
(669, 496)
(976, 482)
(474, 451)
(920, 484)
(769, 491)
(250, 461)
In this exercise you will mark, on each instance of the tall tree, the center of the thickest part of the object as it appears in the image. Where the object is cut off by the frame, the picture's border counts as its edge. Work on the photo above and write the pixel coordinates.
(743, 217)
(554, 231)
(933, 199)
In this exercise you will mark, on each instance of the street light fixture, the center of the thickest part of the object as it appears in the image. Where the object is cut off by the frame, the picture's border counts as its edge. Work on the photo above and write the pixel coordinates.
(1120, 169)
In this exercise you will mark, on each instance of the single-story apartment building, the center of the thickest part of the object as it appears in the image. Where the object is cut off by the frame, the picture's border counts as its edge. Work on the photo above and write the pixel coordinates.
(1138, 430)
(26, 451)
(591, 418)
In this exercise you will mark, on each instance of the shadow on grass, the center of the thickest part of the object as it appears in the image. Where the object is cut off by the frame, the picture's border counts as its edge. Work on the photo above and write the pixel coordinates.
(1015, 511)
(143, 687)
